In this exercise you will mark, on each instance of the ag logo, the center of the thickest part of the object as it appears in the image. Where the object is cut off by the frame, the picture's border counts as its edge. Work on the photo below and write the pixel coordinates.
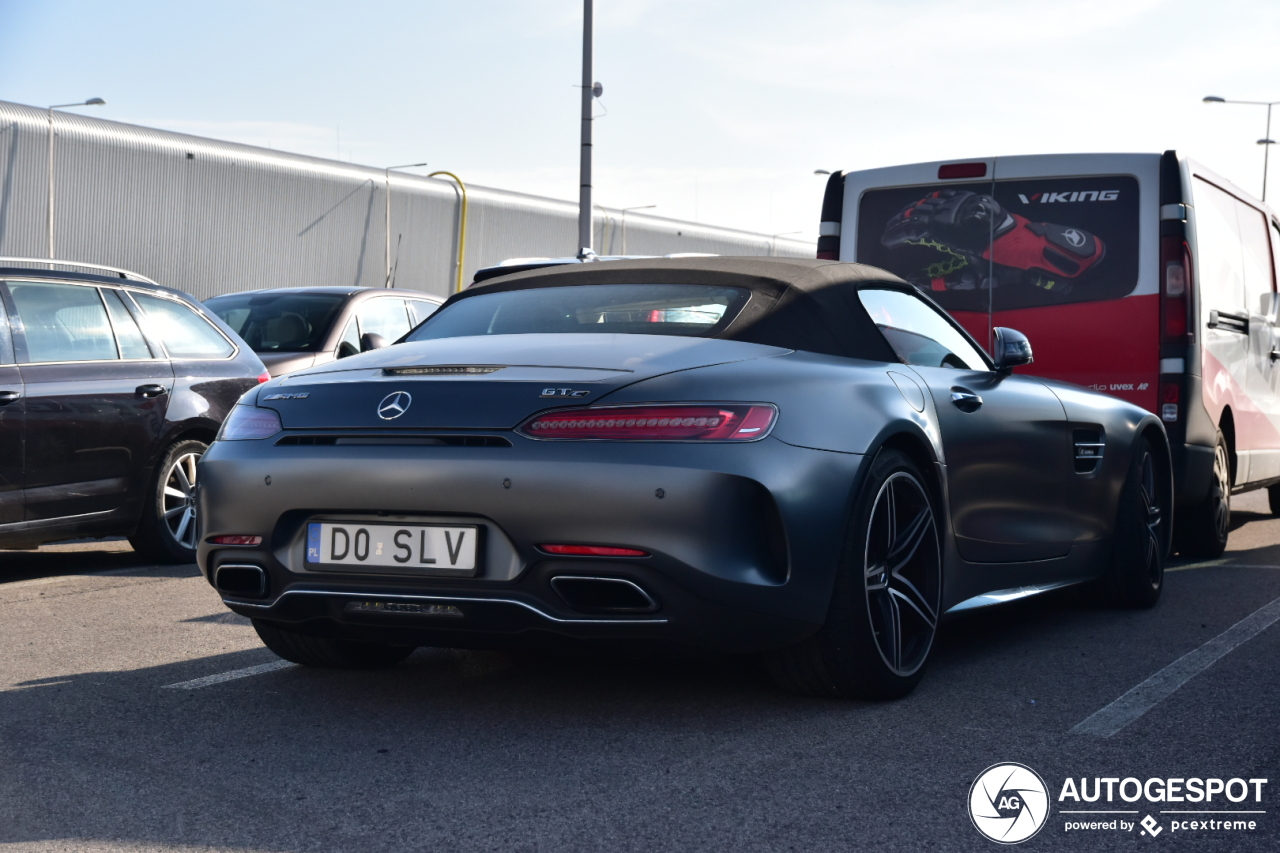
(394, 405)
(1074, 237)
(1008, 803)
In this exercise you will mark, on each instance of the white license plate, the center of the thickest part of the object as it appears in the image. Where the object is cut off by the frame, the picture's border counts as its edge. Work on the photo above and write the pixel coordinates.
(406, 547)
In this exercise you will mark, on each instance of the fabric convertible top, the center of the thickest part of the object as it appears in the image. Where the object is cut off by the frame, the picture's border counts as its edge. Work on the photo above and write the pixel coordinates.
(796, 303)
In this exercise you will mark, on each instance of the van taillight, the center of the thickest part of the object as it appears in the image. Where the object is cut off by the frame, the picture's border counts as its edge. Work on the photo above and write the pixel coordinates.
(1175, 291)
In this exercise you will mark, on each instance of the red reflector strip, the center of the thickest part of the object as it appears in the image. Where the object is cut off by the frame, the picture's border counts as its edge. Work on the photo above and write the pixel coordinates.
(593, 551)
(236, 540)
(1169, 392)
(952, 171)
(730, 422)
(264, 377)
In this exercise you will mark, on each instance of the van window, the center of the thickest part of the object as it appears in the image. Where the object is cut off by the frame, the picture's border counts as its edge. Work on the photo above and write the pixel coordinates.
(996, 246)
(1221, 265)
(1258, 280)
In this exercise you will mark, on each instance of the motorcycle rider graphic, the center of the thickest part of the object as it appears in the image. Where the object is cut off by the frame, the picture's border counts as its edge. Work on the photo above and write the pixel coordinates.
(967, 228)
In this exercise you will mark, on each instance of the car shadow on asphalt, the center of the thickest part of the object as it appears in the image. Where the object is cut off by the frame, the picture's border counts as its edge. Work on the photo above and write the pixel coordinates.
(88, 558)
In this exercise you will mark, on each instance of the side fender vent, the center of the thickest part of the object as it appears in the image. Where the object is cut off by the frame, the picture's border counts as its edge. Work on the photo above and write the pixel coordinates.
(1088, 445)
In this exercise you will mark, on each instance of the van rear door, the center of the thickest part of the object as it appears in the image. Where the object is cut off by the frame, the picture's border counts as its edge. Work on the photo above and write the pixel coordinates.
(1063, 248)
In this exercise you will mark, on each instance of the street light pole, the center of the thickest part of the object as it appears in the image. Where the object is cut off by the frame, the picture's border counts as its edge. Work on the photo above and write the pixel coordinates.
(584, 178)
(91, 102)
(387, 193)
(774, 237)
(1266, 141)
(624, 222)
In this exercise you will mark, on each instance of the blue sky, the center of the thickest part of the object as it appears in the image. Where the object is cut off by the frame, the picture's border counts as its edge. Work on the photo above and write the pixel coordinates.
(717, 111)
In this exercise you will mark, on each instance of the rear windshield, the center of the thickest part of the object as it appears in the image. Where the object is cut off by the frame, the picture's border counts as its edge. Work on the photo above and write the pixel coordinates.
(637, 309)
(278, 322)
(994, 246)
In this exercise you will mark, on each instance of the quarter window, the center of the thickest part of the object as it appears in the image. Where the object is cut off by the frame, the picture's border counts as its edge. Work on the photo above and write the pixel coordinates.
(185, 333)
(420, 309)
(919, 334)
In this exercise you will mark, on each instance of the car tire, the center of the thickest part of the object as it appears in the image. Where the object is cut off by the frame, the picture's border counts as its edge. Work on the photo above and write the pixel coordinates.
(168, 530)
(1273, 499)
(1203, 532)
(1140, 542)
(329, 652)
(883, 617)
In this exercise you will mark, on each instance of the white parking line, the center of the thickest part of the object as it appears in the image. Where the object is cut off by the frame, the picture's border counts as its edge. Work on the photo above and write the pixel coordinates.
(197, 683)
(1132, 705)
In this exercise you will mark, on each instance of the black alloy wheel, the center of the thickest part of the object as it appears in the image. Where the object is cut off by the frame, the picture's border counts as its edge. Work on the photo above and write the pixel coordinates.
(1135, 576)
(885, 607)
(168, 530)
(1204, 530)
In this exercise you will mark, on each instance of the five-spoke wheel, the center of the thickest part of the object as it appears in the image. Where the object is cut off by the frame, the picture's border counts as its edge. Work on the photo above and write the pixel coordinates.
(888, 590)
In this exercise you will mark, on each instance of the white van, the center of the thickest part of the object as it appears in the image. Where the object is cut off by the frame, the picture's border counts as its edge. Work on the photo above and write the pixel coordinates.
(1143, 275)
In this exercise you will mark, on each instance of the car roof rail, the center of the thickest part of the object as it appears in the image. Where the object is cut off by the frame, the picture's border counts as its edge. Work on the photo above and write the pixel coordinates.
(51, 262)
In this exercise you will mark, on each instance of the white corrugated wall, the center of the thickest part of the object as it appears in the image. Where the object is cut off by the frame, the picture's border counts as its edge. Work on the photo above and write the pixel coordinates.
(213, 217)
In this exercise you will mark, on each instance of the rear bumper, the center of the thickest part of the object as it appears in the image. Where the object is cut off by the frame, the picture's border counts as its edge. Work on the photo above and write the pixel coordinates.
(743, 541)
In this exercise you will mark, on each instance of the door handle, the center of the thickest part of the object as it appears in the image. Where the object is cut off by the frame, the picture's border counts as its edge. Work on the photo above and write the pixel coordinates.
(150, 390)
(7, 397)
(965, 400)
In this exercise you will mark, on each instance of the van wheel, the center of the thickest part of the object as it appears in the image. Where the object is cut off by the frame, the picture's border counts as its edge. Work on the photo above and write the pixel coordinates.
(1273, 498)
(1140, 542)
(884, 609)
(1204, 532)
(167, 530)
(329, 652)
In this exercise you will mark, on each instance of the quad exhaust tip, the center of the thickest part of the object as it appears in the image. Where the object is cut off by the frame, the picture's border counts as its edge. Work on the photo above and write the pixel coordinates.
(603, 595)
(246, 581)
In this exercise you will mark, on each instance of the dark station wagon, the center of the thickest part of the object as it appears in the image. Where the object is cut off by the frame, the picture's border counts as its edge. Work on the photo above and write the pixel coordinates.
(111, 389)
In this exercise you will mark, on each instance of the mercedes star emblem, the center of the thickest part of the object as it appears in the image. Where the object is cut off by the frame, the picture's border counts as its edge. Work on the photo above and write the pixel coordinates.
(394, 405)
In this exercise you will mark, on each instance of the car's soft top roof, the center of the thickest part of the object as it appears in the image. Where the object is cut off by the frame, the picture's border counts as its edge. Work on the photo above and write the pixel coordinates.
(797, 303)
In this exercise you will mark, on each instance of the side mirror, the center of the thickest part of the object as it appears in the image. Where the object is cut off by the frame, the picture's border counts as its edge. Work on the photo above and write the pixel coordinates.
(1012, 349)
(372, 340)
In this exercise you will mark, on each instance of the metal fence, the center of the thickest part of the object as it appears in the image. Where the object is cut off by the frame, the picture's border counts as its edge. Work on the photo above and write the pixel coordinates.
(213, 217)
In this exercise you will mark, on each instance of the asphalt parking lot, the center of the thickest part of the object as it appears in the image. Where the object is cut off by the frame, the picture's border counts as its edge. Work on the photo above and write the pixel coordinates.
(136, 713)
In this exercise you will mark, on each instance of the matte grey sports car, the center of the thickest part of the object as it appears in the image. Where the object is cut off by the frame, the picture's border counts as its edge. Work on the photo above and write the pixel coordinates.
(806, 459)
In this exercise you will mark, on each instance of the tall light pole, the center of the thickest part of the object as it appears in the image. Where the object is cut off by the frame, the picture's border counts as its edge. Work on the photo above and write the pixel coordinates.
(92, 102)
(589, 90)
(387, 281)
(624, 222)
(1265, 141)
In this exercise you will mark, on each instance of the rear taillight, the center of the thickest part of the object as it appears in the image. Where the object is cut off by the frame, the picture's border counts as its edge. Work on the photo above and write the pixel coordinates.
(249, 422)
(264, 377)
(699, 422)
(1175, 291)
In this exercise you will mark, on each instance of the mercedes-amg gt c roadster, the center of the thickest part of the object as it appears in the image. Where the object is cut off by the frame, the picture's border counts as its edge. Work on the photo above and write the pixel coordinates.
(805, 459)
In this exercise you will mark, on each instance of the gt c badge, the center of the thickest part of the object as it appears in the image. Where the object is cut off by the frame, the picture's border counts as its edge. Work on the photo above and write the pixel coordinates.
(394, 405)
(563, 392)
